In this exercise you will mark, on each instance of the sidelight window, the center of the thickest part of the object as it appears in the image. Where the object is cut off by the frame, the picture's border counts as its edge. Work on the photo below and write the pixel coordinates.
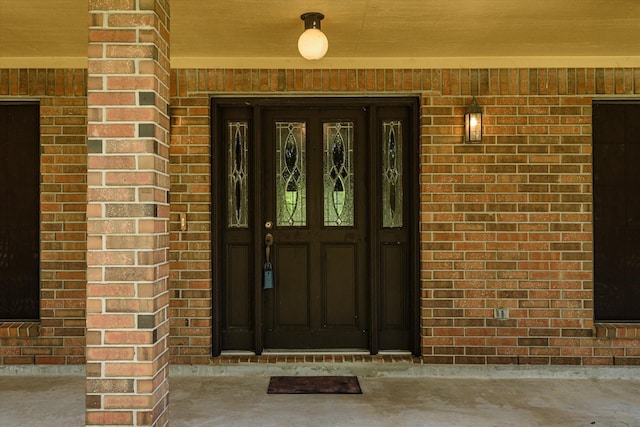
(238, 179)
(392, 174)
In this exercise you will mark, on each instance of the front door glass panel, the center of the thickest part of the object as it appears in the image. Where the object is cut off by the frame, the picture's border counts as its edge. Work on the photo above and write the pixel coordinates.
(392, 174)
(338, 174)
(237, 170)
(291, 180)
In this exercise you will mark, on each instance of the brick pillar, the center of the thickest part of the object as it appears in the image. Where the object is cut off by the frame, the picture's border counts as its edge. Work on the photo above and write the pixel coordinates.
(128, 213)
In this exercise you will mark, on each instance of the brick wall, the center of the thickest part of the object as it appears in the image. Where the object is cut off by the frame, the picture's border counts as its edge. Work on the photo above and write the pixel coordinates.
(504, 224)
(190, 170)
(507, 223)
(63, 129)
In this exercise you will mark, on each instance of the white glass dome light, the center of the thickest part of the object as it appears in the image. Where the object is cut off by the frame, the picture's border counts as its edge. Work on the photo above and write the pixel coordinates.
(312, 43)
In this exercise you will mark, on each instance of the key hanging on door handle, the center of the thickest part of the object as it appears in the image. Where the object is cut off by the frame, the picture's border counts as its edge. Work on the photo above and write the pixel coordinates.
(267, 269)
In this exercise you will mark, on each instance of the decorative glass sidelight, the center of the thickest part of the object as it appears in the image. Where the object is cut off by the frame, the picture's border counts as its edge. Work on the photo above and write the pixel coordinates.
(392, 174)
(291, 179)
(237, 181)
(338, 174)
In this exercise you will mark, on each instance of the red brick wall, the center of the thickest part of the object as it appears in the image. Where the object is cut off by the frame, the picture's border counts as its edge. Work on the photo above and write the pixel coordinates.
(504, 224)
(190, 314)
(63, 129)
(507, 223)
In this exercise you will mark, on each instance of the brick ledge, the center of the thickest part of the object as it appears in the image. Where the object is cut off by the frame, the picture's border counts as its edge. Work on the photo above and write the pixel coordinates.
(19, 329)
(617, 330)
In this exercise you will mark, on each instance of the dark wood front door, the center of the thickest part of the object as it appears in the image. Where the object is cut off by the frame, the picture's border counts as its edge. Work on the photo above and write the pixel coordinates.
(329, 185)
(314, 193)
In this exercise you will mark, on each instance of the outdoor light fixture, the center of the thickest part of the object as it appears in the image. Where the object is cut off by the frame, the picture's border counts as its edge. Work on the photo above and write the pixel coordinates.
(473, 123)
(312, 44)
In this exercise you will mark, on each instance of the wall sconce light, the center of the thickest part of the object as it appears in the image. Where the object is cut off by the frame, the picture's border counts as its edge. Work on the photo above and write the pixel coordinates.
(312, 44)
(473, 122)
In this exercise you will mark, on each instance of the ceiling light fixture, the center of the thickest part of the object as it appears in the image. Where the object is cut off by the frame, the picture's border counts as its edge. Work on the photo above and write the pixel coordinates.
(312, 44)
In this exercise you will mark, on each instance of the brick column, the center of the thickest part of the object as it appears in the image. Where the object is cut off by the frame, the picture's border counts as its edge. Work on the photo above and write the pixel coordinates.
(128, 213)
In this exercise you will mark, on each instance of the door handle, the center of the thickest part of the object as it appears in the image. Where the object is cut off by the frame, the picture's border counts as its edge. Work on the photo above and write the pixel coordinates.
(268, 242)
(267, 269)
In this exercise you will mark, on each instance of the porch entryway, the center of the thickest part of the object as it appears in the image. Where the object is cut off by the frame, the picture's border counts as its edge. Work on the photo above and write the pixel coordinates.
(315, 224)
(402, 394)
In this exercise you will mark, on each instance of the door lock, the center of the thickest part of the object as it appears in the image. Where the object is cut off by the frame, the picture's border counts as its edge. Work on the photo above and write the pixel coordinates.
(268, 241)
(268, 225)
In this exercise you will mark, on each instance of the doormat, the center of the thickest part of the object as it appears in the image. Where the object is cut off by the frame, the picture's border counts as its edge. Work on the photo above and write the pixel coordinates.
(314, 385)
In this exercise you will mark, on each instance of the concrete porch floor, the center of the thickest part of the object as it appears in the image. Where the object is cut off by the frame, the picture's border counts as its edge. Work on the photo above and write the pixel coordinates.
(399, 395)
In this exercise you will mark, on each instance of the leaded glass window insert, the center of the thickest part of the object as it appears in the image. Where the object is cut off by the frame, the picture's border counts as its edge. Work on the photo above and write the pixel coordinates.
(291, 179)
(338, 174)
(237, 180)
(392, 174)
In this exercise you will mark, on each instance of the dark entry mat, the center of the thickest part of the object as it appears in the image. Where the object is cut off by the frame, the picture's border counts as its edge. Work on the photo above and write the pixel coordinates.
(314, 385)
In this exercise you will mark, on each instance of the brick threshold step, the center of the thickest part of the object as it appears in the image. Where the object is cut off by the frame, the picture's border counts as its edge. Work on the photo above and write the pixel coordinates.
(323, 352)
(274, 356)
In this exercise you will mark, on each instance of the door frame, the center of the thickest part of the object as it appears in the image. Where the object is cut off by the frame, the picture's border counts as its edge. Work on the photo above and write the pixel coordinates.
(370, 104)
